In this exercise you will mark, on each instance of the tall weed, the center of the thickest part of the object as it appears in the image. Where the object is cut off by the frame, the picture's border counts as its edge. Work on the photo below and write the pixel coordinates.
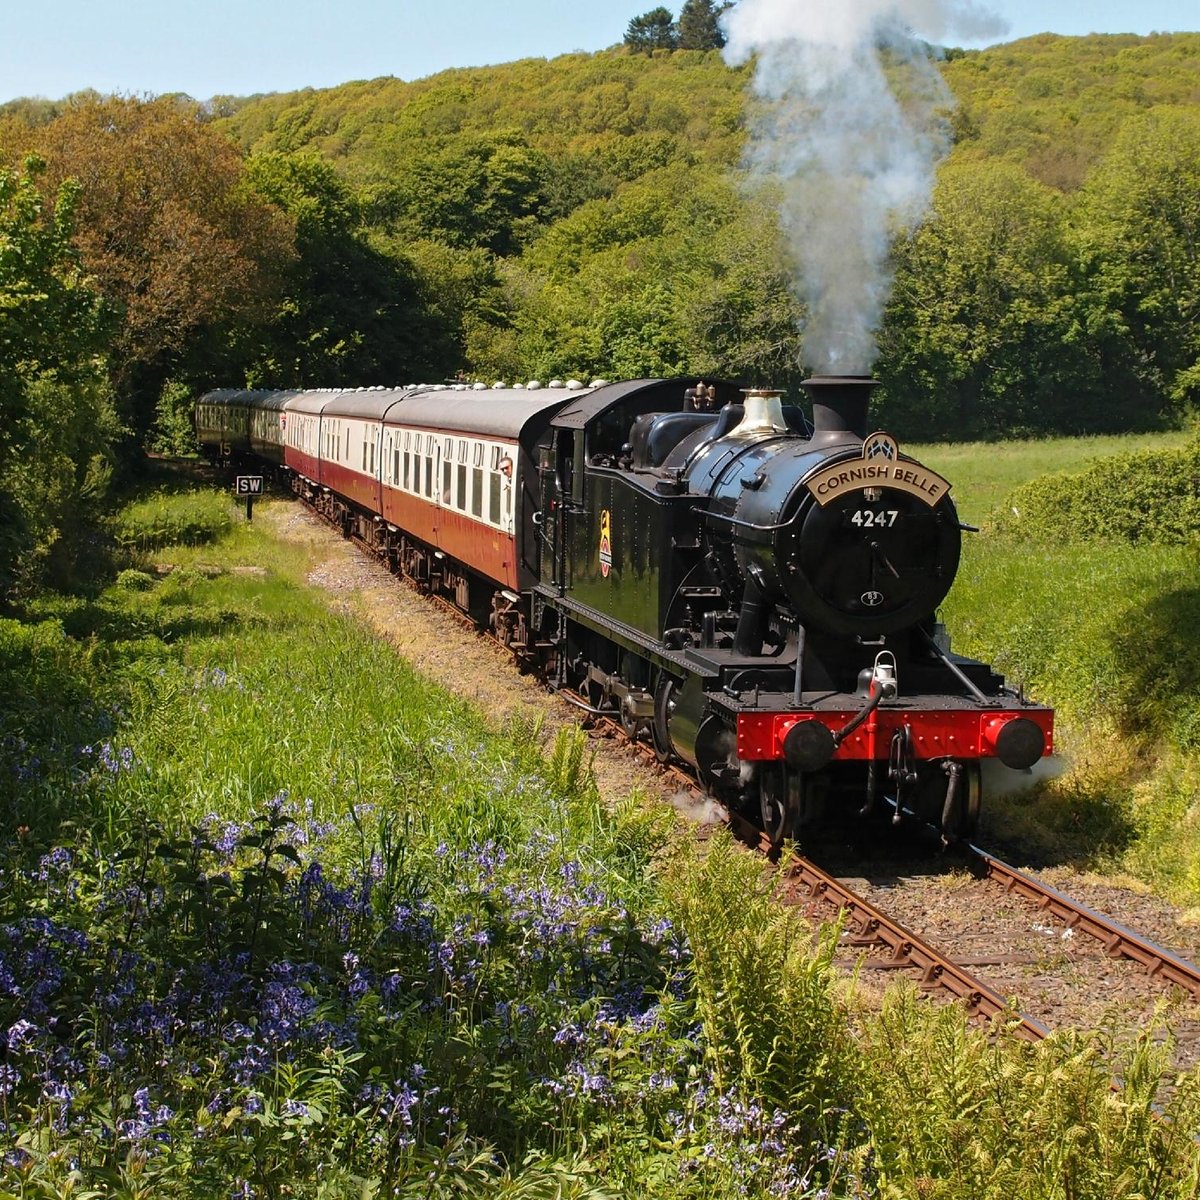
(164, 519)
(956, 1114)
(762, 988)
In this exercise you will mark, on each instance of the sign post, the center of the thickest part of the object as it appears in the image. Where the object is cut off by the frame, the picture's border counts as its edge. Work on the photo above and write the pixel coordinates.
(248, 487)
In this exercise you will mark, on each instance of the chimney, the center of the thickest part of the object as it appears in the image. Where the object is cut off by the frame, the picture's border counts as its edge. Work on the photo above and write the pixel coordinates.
(839, 406)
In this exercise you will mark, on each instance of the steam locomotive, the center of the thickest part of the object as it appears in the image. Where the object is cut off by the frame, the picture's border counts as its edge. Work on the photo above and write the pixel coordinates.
(754, 593)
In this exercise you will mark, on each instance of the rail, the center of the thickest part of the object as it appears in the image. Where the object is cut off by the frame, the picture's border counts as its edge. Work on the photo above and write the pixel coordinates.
(1159, 962)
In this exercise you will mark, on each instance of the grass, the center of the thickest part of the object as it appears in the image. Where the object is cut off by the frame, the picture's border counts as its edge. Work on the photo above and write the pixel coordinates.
(279, 918)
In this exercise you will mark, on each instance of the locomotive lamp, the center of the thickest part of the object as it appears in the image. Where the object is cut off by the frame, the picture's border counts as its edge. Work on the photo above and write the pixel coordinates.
(883, 678)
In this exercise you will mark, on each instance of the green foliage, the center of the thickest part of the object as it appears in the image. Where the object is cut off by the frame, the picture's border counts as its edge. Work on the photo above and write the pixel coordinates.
(56, 417)
(983, 335)
(1054, 105)
(563, 218)
(173, 239)
(171, 519)
(349, 313)
(59, 484)
(173, 433)
(567, 218)
(1141, 240)
(1152, 496)
(476, 191)
(771, 1026)
(699, 27)
(672, 275)
(983, 476)
(653, 30)
(955, 1114)
(576, 111)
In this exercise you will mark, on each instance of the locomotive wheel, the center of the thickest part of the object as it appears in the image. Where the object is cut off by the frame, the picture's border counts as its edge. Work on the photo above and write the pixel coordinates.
(664, 703)
(779, 804)
(970, 800)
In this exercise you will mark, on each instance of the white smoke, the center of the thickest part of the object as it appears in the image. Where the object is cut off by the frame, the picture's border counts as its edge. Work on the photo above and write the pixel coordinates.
(851, 126)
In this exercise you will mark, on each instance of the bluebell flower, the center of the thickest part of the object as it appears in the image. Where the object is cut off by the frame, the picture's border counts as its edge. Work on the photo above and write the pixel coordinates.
(21, 1036)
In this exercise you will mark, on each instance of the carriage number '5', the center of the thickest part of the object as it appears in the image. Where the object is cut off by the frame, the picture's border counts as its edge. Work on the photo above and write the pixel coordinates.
(870, 518)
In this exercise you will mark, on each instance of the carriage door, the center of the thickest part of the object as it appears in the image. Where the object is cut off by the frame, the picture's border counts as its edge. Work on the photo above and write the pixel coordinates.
(548, 519)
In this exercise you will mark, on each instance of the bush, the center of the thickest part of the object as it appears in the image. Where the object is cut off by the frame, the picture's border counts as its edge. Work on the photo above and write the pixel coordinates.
(172, 432)
(135, 581)
(1153, 496)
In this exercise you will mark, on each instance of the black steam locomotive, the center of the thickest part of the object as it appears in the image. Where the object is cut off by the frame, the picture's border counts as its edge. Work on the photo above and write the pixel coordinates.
(755, 593)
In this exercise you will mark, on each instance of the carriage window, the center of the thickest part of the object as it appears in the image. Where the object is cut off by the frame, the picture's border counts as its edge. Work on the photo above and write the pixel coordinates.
(407, 485)
(460, 496)
(372, 457)
(429, 477)
(495, 458)
(477, 492)
(479, 454)
(462, 450)
(396, 465)
(446, 482)
(494, 498)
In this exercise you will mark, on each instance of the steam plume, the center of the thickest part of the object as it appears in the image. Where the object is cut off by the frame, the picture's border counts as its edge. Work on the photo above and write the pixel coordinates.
(850, 129)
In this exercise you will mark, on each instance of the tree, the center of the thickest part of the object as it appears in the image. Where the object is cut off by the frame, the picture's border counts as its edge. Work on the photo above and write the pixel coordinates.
(55, 419)
(653, 30)
(985, 335)
(348, 314)
(483, 190)
(699, 28)
(174, 239)
(673, 274)
(1139, 233)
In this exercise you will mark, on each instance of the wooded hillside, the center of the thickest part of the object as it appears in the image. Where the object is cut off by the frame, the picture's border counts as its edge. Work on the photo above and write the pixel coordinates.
(593, 203)
(586, 216)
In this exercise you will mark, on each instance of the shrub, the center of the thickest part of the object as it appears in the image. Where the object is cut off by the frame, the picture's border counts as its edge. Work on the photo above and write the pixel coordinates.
(1152, 496)
(135, 581)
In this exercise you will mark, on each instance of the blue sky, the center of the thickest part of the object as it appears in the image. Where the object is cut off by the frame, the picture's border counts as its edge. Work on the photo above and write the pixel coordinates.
(213, 47)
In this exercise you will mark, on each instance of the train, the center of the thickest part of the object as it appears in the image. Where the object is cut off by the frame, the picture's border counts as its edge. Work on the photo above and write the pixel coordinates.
(749, 586)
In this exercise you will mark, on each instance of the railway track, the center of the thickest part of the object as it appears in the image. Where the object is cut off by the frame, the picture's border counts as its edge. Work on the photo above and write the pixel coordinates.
(871, 931)
(1159, 963)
